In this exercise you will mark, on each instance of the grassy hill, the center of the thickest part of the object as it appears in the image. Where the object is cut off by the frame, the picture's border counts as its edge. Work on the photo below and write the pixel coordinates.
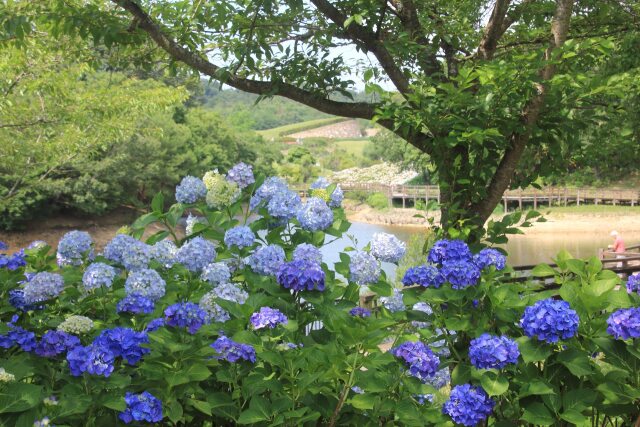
(280, 131)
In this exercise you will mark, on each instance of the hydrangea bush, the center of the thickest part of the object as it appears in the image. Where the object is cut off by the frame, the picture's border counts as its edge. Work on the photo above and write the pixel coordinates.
(243, 322)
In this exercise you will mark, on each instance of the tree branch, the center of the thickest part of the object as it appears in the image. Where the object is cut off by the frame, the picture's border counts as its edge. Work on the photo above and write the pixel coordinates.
(197, 61)
(493, 30)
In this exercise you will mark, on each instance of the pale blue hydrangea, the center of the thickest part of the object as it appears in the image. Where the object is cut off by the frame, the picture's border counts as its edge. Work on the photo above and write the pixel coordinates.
(284, 205)
(387, 247)
(308, 252)
(320, 184)
(192, 221)
(190, 190)
(394, 303)
(164, 252)
(335, 200)
(230, 292)
(240, 236)
(227, 292)
(266, 260)
(315, 215)
(241, 174)
(74, 247)
(364, 268)
(98, 275)
(136, 256)
(37, 244)
(196, 254)
(147, 283)
(214, 313)
(114, 249)
(216, 273)
(42, 287)
(268, 188)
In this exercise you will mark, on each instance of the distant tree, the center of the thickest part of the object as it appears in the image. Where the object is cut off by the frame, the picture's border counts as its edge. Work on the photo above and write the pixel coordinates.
(479, 84)
(386, 146)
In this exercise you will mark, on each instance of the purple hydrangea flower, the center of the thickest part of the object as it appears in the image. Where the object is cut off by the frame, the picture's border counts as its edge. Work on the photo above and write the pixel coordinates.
(123, 342)
(493, 352)
(142, 407)
(315, 215)
(114, 249)
(307, 252)
(449, 250)
(185, 315)
(624, 323)
(267, 317)
(136, 256)
(364, 268)
(93, 359)
(633, 283)
(266, 260)
(54, 343)
(98, 275)
(490, 257)
(16, 299)
(550, 320)
(147, 283)
(440, 379)
(155, 324)
(460, 273)
(360, 312)
(387, 247)
(190, 190)
(419, 359)
(26, 340)
(423, 275)
(241, 174)
(135, 304)
(42, 287)
(240, 236)
(357, 390)
(196, 254)
(216, 273)
(300, 275)
(14, 261)
(468, 405)
(74, 247)
(232, 351)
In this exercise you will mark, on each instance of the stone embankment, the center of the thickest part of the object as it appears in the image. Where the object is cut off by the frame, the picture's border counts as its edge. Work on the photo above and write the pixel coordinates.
(383, 173)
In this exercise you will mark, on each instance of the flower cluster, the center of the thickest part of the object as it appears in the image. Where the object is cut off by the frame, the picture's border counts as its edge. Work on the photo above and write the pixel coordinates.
(225, 291)
(387, 247)
(98, 275)
(147, 283)
(240, 236)
(284, 205)
(364, 268)
(460, 273)
(93, 359)
(550, 320)
(185, 315)
(448, 250)
(633, 283)
(164, 252)
(624, 323)
(54, 343)
(216, 273)
(6, 377)
(315, 215)
(26, 340)
(336, 197)
(220, 191)
(468, 405)
(232, 351)
(393, 303)
(423, 275)
(307, 252)
(16, 299)
(123, 342)
(136, 256)
(76, 325)
(300, 275)
(241, 174)
(267, 317)
(190, 190)
(191, 221)
(266, 260)
(114, 249)
(142, 407)
(440, 379)
(490, 257)
(420, 359)
(493, 352)
(42, 287)
(360, 312)
(135, 304)
(196, 254)
(14, 261)
(266, 191)
(74, 247)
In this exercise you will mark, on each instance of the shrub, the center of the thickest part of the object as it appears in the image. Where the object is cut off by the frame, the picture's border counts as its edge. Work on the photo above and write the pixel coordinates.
(289, 344)
(378, 201)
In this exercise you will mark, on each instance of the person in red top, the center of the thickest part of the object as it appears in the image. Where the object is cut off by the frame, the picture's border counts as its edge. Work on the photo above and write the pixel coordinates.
(618, 243)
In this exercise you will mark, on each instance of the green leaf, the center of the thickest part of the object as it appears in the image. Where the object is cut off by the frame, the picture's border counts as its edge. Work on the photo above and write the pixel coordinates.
(494, 383)
(113, 401)
(363, 401)
(599, 287)
(538, 414)
(577, 362)
(157, 204)
(382, 288)
(18, 397)
(533, 350)
(258, 411)
(542, 270)
(535, 387)
(175, 411)
(201, 406)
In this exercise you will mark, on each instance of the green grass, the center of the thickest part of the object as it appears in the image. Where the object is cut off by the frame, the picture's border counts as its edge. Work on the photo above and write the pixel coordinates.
(590, 209)
(351, 146)
(281, 131)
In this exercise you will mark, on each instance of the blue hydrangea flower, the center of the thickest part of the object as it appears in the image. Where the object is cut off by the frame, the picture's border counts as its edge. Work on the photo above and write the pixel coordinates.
(74, 247)
(216, 273)
(42, 287)
(394, 303)
(449, 250)
(624, 323)
(155, 324)
(93, 359)
(283, 205)
(268, 188)
(136, 256)
(468, 405)
(164, 252)
(300, 275)
(423, 398)
(147, 283)
(240, 236)
(232, 351)
(266, 260)
(490, 257)
(633, 283)
(315, 215)
(364, 268)
(423, 275)
(493, 352)
(54, 343)
(230, 292)
(267, 317)
(98, 275)
(14, 261)
(135, 304)
(26, 340)
(550, 320)
(440, 379)
(387, 247)
(123, 342)
(16, 299)
(185, 315)
(419, 359)
(320, 184)
(142, 407)
(360, 312)
(335, 200)
(460, 273)
(214, 313)
(196, 254)
(241, 174)
(190, 190)
(114, 249)
(308, 252)
(227, 292)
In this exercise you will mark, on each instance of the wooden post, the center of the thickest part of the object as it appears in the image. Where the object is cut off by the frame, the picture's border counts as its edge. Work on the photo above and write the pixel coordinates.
(520, 201)
(535, 200)
(565, 196)
(506, 209)
(578, 198)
